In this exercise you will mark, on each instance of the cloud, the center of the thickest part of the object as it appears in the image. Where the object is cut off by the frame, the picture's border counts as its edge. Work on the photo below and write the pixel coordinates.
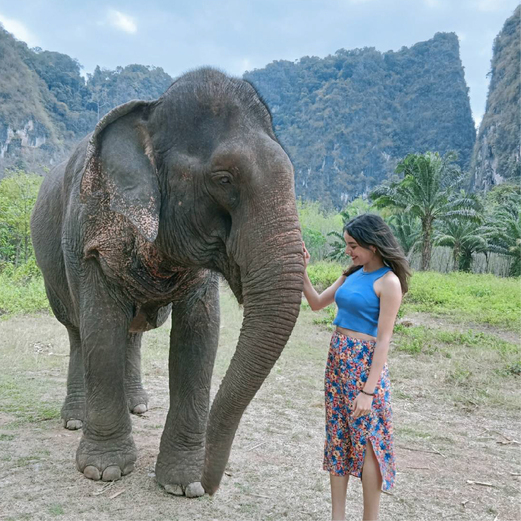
(121, 21)
(489, 6)
(19, 30)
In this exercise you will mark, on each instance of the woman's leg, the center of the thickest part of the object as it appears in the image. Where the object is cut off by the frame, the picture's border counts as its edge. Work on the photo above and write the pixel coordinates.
(371, 484)
(338, 497)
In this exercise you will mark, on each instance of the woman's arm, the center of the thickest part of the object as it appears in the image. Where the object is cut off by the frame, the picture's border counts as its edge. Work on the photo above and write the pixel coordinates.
(390, 300)
(319, 301)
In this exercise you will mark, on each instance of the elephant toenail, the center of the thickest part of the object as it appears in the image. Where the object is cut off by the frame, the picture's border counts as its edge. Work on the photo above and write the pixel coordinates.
(73, 425)
(128, 469)
(194, 490)
(140, 409)
(92, 473)
(111, 473)
(176, 490)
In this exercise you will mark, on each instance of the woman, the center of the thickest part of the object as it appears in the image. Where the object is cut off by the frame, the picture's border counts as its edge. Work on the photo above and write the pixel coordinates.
(359, 436)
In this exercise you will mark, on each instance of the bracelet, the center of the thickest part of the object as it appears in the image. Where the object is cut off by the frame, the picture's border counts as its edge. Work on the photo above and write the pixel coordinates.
(368, 394)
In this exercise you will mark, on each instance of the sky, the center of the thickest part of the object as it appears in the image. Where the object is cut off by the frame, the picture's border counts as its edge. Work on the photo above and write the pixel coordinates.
(240, 35)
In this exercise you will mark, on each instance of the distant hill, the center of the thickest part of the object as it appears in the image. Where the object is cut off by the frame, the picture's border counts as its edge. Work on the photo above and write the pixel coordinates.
(46, 105)
(497, 153)
(346, 119)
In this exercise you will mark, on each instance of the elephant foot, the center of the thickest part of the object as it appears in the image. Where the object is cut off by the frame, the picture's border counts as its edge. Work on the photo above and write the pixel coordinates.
(137, 401)
(180, 474)
(107, 460)
(72, 414)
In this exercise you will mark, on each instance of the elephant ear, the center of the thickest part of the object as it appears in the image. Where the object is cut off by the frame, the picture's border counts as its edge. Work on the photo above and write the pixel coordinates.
(120, 165)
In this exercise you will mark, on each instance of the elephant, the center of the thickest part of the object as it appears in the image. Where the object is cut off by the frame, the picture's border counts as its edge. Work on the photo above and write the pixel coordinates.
(163, 199)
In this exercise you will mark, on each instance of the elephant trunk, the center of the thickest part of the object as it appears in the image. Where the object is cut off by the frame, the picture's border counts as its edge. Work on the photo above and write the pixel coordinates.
(272, 289)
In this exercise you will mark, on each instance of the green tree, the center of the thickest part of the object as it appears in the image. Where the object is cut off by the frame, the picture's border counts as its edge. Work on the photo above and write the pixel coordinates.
(426, 192)
(464, 237)
(316, 223)
(407, 230)
(503, 231)
(18, 192)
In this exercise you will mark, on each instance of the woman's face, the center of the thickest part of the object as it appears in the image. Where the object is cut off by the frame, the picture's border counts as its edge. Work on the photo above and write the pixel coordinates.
(359, 255)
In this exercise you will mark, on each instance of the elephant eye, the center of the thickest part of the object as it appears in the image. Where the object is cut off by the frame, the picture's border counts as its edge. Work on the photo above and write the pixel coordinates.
(222, 178)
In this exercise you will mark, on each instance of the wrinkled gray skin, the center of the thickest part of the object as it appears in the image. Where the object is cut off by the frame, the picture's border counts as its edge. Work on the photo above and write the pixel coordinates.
(162, 197)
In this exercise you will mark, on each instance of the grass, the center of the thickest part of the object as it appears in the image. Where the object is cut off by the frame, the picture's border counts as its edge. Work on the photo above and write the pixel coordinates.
(28, 400)
(418, 339)
(467, 297)
(22, 296)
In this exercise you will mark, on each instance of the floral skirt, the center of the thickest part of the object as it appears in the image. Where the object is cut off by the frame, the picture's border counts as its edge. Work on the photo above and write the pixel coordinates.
(347, 369)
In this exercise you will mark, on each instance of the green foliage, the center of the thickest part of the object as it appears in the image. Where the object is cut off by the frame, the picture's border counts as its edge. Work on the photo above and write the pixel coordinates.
(346, 119)
(463, 234)
(18, 192)
(316, 223)
(407, 230)
(20, 293)
(323, 274)
(503, 231)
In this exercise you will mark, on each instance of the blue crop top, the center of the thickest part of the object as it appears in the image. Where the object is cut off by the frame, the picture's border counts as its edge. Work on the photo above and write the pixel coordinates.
(358, 304)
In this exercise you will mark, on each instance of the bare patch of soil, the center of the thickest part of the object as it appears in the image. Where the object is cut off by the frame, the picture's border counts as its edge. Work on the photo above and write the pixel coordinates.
(456, 459)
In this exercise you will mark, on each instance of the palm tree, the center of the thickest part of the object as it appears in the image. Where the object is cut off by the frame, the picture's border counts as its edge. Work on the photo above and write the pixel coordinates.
(407, 230)
(504, 231)
(464, 234)
(464, 237)
(426, 192)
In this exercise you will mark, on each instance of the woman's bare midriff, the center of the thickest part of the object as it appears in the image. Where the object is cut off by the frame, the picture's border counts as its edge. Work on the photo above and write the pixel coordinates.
(355, 334)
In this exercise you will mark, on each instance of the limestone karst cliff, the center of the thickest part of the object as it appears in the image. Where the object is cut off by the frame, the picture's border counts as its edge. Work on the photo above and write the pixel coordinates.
(497, 152)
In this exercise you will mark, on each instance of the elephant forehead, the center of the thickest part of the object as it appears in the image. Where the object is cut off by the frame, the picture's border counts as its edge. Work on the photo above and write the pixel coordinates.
(248, 150)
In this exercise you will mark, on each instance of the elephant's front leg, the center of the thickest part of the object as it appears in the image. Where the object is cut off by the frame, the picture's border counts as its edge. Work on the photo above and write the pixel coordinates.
(106, 450)
(193, 345)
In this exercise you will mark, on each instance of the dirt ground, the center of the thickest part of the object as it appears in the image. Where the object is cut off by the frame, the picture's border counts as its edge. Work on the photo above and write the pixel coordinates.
(457, 459)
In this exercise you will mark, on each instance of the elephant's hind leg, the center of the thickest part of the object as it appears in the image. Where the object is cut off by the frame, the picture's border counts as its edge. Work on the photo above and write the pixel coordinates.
(137, 397)
(73, 410)
(193, 345)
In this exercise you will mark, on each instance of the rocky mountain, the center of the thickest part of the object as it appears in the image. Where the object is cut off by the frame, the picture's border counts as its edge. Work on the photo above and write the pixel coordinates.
(346, 119)
(497, 153)
(46, 105)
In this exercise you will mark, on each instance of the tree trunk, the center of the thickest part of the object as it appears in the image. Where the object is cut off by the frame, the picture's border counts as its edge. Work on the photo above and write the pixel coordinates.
(427, 244)
(456, 256)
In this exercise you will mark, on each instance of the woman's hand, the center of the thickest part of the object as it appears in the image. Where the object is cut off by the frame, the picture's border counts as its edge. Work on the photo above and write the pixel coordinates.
(362, 405)
(307, 256)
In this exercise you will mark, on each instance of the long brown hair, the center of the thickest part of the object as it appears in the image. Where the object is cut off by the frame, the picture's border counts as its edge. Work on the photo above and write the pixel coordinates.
(370, 229)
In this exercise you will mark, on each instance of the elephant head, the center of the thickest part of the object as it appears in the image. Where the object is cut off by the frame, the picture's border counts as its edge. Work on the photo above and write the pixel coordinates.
(202, 181)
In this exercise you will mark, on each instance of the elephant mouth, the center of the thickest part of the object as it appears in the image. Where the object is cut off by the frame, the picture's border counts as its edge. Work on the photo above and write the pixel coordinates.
(233, 277)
